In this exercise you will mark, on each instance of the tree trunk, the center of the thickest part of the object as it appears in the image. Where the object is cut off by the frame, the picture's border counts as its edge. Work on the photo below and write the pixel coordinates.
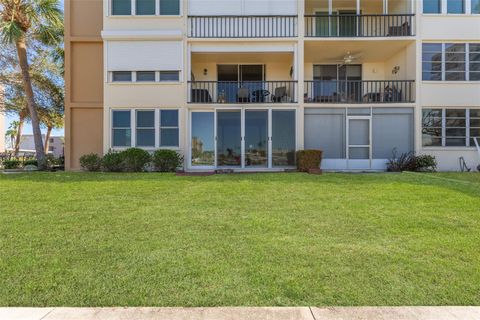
(19, 135)
(47, 138)
(27, 86)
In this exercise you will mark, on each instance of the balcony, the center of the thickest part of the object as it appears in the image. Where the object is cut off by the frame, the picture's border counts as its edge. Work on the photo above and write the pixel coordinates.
(223, 92)
(242, 26)
(359, 91)
(362, 25)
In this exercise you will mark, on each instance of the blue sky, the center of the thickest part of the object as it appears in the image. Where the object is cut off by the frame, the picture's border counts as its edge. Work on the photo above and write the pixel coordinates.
(27, 129)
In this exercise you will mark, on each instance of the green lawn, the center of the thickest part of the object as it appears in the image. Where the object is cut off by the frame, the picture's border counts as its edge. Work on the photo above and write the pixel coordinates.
(82, 239)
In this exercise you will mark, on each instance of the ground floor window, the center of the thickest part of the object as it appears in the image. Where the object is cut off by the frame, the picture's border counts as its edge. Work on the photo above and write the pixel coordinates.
(169, 132)
(121, 128)
(450, 127)
(153, 128)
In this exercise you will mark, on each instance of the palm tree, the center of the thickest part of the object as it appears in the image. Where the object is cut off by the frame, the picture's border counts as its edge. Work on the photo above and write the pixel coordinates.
(12, 132)
(22, 22)
(52, 119)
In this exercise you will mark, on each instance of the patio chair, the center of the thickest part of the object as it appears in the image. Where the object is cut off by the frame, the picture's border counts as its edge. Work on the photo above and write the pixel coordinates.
(280, 93)
(243, 95)
(397, 31)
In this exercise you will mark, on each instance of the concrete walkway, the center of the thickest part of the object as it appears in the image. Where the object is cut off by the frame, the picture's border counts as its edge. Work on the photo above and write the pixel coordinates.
(240, 313)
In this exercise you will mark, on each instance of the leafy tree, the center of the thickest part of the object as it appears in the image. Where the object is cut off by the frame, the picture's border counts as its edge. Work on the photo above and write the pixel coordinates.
(21, 23)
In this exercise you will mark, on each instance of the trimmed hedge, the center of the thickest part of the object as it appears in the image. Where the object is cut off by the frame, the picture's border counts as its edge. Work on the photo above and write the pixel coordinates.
(112, 162)
(30, 162)
(308, 160)
(167, 160)
(12, 164)
(135, 159)
(91, 162)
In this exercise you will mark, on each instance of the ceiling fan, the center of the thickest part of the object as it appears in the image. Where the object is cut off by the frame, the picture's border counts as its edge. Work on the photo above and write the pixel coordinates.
(348, 58)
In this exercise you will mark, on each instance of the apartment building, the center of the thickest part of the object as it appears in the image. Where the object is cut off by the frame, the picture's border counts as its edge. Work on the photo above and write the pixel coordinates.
(243, 84)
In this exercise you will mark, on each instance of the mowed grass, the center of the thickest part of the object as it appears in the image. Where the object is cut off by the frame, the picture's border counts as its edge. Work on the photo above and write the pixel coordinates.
(80, 239)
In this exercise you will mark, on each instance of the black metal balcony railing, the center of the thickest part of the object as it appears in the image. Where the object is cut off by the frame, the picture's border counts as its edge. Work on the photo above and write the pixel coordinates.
(242, 92)
(364, 25)
(242, 26)
(359, 91)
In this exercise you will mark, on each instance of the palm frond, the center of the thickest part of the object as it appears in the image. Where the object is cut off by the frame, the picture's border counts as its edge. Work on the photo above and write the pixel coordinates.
(49, 12)
(10, 31)
(48, 35)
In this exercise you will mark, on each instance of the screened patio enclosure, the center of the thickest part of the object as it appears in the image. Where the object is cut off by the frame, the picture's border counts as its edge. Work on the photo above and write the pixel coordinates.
(359, 138)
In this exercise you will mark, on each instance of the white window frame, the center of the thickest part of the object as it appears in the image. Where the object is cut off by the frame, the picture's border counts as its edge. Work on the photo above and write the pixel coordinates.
(146, 128)
(171, 81)
(469, 8)
(444, 127)
(133, 129)
(159, 119)
(467, 5)
(134, 14)
(134, 77)
(442, 2)
(443, 71)
(132, 133)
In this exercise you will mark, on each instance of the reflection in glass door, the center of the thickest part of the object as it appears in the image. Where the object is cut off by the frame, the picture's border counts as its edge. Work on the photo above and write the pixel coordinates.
(229, 138)
(256, 138)
(283, 138)
(359, 143)
(202, 139)
(243, 138)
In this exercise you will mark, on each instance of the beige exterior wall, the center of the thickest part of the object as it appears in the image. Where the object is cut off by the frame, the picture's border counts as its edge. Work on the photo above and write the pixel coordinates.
(83, 80)
(90, 96)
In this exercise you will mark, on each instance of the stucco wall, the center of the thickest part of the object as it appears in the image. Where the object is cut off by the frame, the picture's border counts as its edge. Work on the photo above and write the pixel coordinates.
(83, 80)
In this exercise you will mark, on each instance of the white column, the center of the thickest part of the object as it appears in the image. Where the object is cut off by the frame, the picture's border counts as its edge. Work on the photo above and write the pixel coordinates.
(468, 7)
(189, 71)
(359, 19)
(444, 6)
(295, 74)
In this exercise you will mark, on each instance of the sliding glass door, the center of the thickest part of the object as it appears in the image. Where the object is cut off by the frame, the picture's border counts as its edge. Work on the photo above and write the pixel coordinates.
(256, 138)
(240, 83)
(229, 138)
(202, 143)
(283, 138)
(242, 138)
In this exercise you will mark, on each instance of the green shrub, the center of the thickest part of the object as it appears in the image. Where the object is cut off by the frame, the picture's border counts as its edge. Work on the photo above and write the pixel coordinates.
(12, 164)
(91, 162)
(308, 159)
(425, 163)
(135, 159)
(167, 160)
(113, 162)
(410, 162)
(404, 162)
(30, 162)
